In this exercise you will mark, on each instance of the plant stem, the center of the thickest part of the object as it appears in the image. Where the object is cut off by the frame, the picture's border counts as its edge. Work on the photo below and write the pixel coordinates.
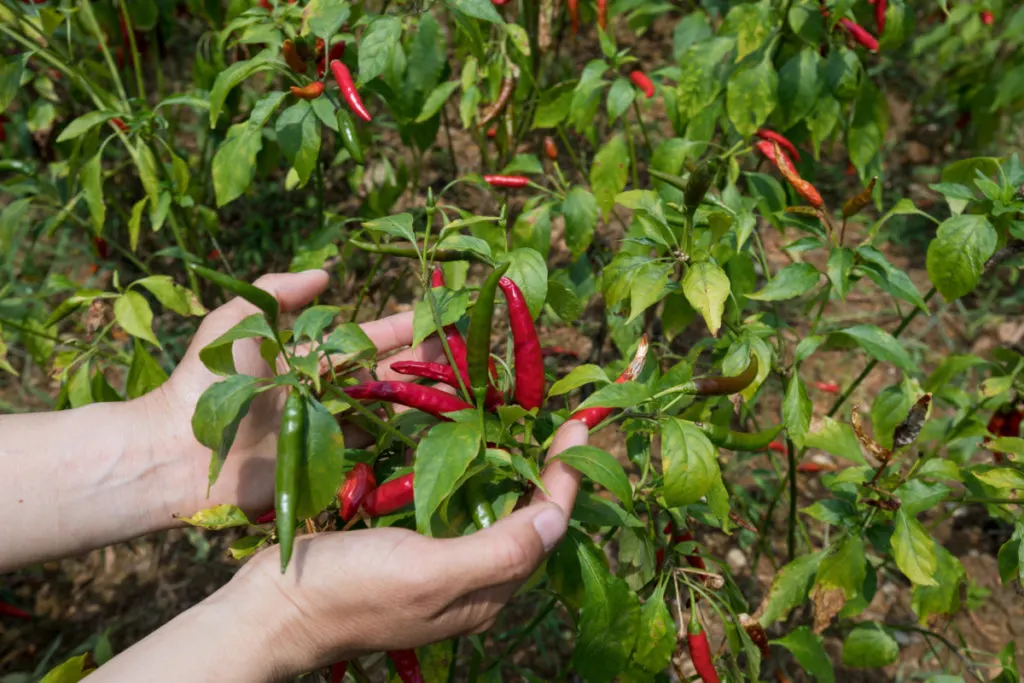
(791, 529)
(140, 86)
(643, 129)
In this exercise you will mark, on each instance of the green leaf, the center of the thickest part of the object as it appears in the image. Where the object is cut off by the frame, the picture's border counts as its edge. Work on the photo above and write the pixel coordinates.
(580, 211)
(608, 621)
(517, 34)
(914, 550)
(689, 462)
(436, 99)
(326, 17)
(796, 411)
(808, 649)
(647, 287)
(10, 78)
(399, 225)
(234, 163)
(792, 281)
(298, 136)
(867, 129)
(91, 177)
(181, 300)
(707, 288)
(944, 596)
(532, 229)
(601, 467)
(553, 107)
(313, 321)
(957, 255)
(879, 344)
(529, 270)
(620, 97)
(321, 468)
(799, 86)
(656, 640)
(889, 408)
(378, 44)
(869, 646)
(218, 413)
(217, 518)
(232, 76)
(580, 375)
(840, 261)
(71, 671)
(888, 277)
(144, 374)
(442, 457)
(624, 395)
(478, 9)
(751, 96)
(451, 306)
(135, 223)
(260, 298)
(844, 567)
(609, 172)
(84, 123)
(790, 587)
(837, 438)
(133, 313)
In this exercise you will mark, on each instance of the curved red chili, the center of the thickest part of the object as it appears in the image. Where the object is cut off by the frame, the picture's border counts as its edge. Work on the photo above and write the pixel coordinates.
(427, 399)
(359, 482)
(860, 35)
(880, 7)
(389, 497)
(784, 143)
(119, 124)
(778, 447)
(700, 651)
(506, 180)
(348, 89)
(602, 14)
(785, 166)
(12, 611)
(406, 664)
(292, 58)
(435, 371)
(642, 81)
(266, 518)
(529, 359)
(309, 92)
(827, 387)
(595, 416)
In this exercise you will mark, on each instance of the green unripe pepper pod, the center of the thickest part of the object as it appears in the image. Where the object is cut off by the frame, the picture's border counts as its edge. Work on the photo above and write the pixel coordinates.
(478, 351)
(723, 386)
(350, 136)
(739, 441)
(480, 509)
(260, 298)
(291, 442)
(698, 184)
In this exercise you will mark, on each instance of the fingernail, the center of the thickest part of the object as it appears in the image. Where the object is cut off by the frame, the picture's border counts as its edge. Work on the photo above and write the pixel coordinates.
(550, 525)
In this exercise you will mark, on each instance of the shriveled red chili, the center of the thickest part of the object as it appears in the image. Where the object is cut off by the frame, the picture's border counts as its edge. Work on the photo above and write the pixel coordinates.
(642, 81)
(529, 391)
(389, 497)
(504, 95)
(359, 482)
(427, 399)
(348, 89)
(594, 416)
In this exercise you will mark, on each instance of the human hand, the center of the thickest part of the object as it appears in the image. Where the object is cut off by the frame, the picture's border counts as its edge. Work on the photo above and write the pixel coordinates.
(350, 593)
(247, 478)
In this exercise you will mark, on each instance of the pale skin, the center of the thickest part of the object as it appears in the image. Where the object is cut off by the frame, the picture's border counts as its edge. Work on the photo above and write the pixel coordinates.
(81, 479)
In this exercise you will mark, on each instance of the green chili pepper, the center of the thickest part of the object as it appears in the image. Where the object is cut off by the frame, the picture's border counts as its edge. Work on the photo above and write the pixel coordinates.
(479, 507)
(350, 137)
(723, 386)
(291, 443)
(739, 441)
(698, 184)
(478, 350)
(259, 298)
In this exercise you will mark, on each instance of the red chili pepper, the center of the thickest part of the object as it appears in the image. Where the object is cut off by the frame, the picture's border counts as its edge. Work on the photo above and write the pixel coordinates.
(3, 131)
(102, 247)
(265, 4)
(506, 180)
(827, 387)
(700, 651)
(266, 518)
(964, 119)
(213, 255)
(987, 18)
(574, 16)
(406, 664)
(292, 58)
(435, 371)
(640, 80)
(457, 345)
(389, 497)
(12, 611)
(492, 132)
(880, 8)
(789, 172)
(359, 482)
(550, 148)
(427, 399)
(119, 124)
(348, 89)
(559, 351)
(529, 360)
(778, 447)
(310, 91)
(602, 14)
(337, 51)
(771, 135)
(594, 416)
(860, 35)
(813, 467)
(338, 671)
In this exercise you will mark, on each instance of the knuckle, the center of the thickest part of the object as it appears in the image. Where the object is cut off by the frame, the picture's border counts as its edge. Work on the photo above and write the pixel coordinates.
(517, 558)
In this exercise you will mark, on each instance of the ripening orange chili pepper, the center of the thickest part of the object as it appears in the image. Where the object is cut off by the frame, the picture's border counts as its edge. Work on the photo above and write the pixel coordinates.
(602, 14)
(310, 91)
(119, 124)
(291, 57)
(785, 165)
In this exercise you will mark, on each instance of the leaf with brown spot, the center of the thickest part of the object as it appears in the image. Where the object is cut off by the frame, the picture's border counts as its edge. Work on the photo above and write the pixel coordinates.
(854, 204)
(827, 604)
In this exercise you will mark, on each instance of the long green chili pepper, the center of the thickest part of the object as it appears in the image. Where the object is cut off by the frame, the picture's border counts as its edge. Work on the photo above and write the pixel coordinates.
(739, 441)
(478, 351)
(479, 507)
(350, 136)
(723, 386)
(259, 298)
(291, 442)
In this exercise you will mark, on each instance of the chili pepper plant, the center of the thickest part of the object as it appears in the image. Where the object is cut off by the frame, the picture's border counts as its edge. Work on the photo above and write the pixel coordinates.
(697, 195)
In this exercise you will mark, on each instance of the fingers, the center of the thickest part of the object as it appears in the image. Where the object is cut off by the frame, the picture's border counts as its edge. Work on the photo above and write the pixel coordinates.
(292, 290)
(561, 480)
(509, 551)
(390, 333)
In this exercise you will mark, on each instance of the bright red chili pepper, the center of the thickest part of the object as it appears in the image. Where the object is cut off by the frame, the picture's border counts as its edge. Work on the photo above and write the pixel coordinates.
(814, 467)
(359, 482)
(265, 4)
(444, 374)
(860, 35)
(12, 611)
(700, 651)
(406, 664)
(389, 497)
(574, 16)
(602, 14)
(338, 670)
(506, 180)
(778, 447)
(266, 518)
(988, 18)
(427, 399)
(594, 416)
(771, 135)
(309, 92)
(529, 360)
(337, 51)
(789, 172)
(827, 387)
(880, 8)
(119, 124)
(348, 89)
(550, 148)
(492, 132)
(640, 80)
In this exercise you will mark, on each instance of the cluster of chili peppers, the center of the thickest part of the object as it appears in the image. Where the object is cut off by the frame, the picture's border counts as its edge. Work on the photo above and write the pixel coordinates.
(771, 148)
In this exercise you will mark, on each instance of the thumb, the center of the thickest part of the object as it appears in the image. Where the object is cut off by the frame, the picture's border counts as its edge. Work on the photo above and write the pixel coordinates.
(510, 550)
